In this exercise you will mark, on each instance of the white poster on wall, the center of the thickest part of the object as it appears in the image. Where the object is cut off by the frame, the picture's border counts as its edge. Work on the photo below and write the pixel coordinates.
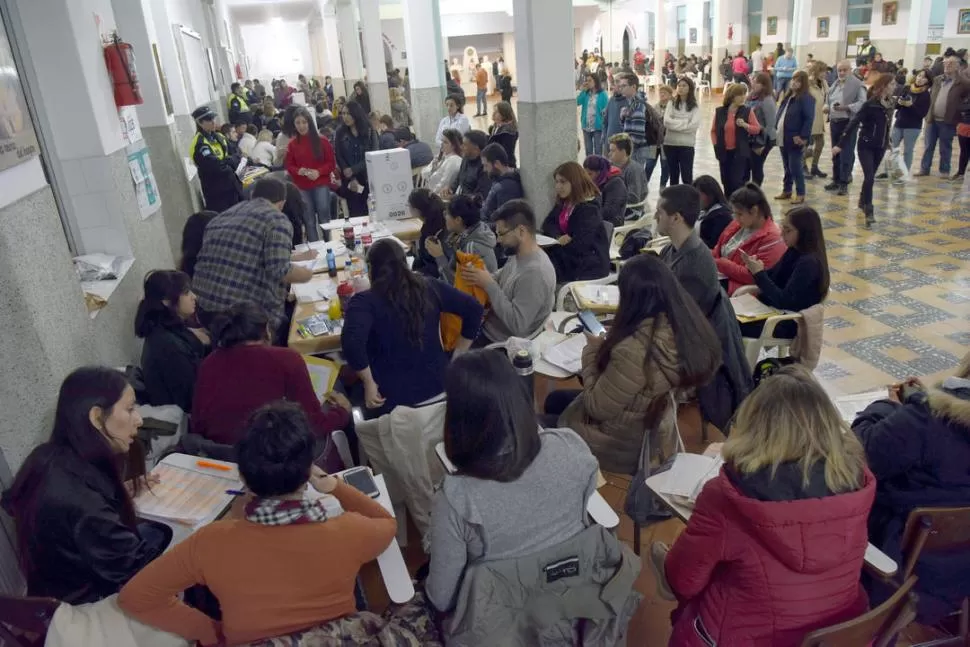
(146, 188)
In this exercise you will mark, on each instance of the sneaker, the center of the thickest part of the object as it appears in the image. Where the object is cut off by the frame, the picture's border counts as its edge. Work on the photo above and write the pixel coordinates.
(832, 186)
(957, 177)
(798, 199)
(882, 176)
(783, 196)
(843, 189)
(817, 172)
(657, 561)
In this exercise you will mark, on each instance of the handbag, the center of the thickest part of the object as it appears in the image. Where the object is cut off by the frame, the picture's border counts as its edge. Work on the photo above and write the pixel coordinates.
(641, 504)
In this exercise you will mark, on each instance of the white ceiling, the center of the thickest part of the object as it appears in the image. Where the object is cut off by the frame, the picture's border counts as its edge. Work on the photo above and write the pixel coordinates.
(248, 12)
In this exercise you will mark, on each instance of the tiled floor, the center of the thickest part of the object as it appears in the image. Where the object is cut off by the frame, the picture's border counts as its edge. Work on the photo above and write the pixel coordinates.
(899, 303)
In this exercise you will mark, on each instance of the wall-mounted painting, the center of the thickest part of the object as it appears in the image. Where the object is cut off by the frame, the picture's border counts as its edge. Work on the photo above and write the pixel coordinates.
(890, 12)
(823, 28)
(963, 22)
(693, 35)
(772, 25)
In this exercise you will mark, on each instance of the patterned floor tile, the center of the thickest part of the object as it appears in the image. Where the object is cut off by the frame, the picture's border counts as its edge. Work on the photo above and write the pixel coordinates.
(898, 311)
(920, 358)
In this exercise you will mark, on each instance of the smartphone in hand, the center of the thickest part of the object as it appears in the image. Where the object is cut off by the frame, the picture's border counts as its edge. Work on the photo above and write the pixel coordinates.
(591, 323)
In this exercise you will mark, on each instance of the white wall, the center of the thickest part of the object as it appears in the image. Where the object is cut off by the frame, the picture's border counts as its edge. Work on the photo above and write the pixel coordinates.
(393, 31)
(492, 22)
(781, 10)
(278, 49)
(950, 36)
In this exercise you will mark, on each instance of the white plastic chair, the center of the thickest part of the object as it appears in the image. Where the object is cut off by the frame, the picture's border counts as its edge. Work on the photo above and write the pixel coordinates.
(752, 346)
(417, 176)
(702, 85)
(609, 279)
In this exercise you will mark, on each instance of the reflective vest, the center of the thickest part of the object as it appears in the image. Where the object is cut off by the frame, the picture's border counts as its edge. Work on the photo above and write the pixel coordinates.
(243, 104)
(217, 144)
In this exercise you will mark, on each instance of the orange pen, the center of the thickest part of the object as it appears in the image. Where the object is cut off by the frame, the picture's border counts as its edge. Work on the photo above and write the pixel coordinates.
(213, 466)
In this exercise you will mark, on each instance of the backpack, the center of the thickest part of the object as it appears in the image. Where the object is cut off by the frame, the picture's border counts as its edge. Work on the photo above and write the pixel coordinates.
(769, 366)
(634, 242)
(654, 130)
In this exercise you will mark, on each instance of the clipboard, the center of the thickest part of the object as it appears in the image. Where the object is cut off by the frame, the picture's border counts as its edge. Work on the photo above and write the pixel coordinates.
(323, 374)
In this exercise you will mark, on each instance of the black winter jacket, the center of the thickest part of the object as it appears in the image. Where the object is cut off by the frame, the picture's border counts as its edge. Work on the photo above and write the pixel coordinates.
(588, 255)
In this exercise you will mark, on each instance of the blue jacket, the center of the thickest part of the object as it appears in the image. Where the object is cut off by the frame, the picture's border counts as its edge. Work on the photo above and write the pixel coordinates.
(602, 98)
(799, 115)
(785, 67)
(919, 452)
(611, 119)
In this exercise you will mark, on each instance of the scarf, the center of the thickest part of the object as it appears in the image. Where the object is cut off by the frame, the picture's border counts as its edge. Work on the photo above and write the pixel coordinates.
(277, 512)
(604, 170)
(914, 89)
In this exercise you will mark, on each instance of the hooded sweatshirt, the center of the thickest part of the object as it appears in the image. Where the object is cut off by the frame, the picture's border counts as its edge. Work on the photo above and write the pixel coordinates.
(505, 187)
(757, 571)
(477, 239)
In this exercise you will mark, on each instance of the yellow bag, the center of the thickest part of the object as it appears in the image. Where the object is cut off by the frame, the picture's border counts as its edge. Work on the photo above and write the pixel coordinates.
(451, 323)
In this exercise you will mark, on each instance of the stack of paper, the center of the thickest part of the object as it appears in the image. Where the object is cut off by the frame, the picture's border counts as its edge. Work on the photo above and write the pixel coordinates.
(687, 476)
(186, 496)
(748, 306)
(314, 291)
(546, 241)
(852, 405)
(568, 354)
(599, 295)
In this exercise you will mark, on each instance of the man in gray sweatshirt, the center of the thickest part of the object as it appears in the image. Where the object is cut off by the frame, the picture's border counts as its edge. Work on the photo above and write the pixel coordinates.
(521, 294)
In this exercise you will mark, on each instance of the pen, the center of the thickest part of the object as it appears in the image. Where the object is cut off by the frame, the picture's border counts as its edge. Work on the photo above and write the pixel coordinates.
(213, 466)
(236, 492)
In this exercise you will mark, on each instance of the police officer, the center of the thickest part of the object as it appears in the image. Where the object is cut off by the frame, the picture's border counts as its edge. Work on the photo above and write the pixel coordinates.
(238, 105)
(210, 152)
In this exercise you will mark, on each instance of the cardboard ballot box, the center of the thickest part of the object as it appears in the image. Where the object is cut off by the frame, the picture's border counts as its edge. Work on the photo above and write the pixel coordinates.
(390, 183)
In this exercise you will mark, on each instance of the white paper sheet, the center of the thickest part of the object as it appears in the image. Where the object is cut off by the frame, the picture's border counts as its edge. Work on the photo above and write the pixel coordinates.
(568, 354)
(687, 476)
(546, 241)
(314, 291)
(850, 406)
(747, 305)
(186, 496)
(601, 295)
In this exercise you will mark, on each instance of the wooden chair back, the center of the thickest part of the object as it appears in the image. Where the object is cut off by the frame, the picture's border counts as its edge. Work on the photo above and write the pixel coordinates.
(878, 627)
(24, 621)
(934, 529)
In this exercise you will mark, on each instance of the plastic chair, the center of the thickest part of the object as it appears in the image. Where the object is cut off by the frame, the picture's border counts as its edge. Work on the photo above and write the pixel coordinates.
(879, 627)
(417, 176)
(753, 347)
(938, 530)
(609, 279)
(23, 615)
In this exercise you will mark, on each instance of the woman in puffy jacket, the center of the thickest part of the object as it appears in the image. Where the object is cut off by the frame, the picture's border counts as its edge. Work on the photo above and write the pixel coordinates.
(775, 545)
(872, 122)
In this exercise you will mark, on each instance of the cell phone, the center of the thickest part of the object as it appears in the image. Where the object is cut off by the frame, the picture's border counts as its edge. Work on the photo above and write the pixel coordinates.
(591, 323)
(362, 479)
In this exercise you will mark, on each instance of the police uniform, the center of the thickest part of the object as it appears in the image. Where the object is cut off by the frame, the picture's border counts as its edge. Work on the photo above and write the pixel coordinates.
(238, 109)
(210, 152)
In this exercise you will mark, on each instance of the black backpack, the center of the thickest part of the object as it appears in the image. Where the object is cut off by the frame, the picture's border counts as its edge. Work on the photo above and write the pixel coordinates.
(634, 242)
(654, 129)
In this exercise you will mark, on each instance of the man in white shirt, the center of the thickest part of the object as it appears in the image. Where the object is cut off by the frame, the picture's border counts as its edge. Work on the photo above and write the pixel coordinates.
(757, 59)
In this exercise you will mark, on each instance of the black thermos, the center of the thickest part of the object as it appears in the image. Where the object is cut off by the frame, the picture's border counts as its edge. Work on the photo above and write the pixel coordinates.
(522, 361)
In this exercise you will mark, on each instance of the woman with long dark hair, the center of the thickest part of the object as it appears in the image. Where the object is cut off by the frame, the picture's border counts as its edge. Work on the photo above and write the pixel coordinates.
(753, 233)
(78, 539)
(796, 116)
(426, 206)
(576, 222)
(362, 96)
(310, 162)
(287, 132)
(391, 335)
(172, 351)
(504, 129)
(682, 118)
(715, 213)
(800, 279)
(192, 234)
(658, 342)
(872, 122)
(353, 139)
(592, 99)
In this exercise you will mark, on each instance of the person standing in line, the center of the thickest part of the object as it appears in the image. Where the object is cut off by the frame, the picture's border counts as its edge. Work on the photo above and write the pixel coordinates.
(733, 123)
(310, 163)
(949, 90)
(221, 187)
(481, 98)
(666, 94)
(872, 124)
(844, 99)
(757, 60)
(785, 68)
(352, 141)
(611, 116)
(633, 119)
(593, 100)
(795, 118)
(762, 103)
(911, 109)
(682, 118)
(818, 88)
(455, 119)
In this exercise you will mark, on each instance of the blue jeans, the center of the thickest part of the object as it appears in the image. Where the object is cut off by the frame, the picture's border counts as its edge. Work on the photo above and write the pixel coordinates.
(481, 103)
(781, 84)
(317, 210)
(937, 131)
(908, 136)
(791, 159)
(593, 140)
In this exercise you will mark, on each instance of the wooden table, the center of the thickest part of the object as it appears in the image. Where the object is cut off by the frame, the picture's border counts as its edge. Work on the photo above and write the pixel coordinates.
(323, 343)
(408, 229)
(607, 305)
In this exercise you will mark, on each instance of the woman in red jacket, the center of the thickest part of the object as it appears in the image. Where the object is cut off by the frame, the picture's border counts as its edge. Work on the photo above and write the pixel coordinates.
(753, 232)
(310, 162)
(775, 545)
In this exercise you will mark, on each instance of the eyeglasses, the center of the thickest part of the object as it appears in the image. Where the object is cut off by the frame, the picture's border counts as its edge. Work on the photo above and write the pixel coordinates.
(500, 234)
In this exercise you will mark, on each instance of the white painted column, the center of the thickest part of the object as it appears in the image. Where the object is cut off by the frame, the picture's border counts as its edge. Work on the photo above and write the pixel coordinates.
(660, 39)
(333, 66)
(695, 21)
(134, 20)
(729, 16)
(917, 32)
(426, 74)
(547, 100)
(805, 39)
(370, 20)
(349, 44)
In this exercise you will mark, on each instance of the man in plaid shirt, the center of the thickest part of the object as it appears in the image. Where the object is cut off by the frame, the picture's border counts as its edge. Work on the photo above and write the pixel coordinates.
(245, 256)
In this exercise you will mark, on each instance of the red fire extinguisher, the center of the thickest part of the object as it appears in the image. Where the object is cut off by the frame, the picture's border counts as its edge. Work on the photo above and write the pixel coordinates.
(120, 59)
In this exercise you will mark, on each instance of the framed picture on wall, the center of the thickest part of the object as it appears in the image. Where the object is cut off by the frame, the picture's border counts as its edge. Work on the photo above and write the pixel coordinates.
(823, 27)
(890, 11)
(693, 35)
(963, 22)
(772, 25)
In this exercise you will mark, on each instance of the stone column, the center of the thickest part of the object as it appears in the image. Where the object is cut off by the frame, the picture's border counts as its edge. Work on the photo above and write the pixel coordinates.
(426, 74)
(349, 45)
(370, 20)
(547, 96)
(729, 15)
(695, 21)
(334, 67)
(917, 34)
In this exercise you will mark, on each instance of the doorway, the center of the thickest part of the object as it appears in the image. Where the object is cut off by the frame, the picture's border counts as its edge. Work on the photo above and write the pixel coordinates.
(626, 46)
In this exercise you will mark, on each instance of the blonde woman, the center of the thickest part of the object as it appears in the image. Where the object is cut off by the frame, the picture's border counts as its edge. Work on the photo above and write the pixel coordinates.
(400, 110)
(775, 545)
(264, 151)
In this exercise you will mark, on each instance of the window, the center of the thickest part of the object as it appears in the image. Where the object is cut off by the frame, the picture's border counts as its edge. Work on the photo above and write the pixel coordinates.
(755, 5)
(859, 15)
(682, 22)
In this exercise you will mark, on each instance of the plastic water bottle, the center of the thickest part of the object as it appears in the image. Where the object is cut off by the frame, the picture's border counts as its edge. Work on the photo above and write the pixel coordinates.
(331, 263)
(522, 362)
(371, 205)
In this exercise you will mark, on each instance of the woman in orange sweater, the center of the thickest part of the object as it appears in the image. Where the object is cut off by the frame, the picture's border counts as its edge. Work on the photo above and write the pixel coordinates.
(290, 564)
(310, 162)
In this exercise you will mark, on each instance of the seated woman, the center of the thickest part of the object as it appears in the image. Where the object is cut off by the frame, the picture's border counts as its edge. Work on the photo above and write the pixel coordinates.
(427, 207)
(609, 180)
(800, 279)
(918, 446)
(658, 342)
(466, 233)
(290, 564)
(245, 372)
(444, 170)
(391, 336)
(192, 234)
(715, 213)
(775, 545)
(518, 490)
(576, 222)
(172, 351)
(78, 539)
(753, 233)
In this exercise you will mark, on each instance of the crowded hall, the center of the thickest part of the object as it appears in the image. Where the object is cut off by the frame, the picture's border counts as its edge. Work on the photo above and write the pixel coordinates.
(530, 323)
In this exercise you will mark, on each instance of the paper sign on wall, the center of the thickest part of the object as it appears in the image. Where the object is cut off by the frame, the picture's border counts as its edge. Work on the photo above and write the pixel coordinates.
(146, 188)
